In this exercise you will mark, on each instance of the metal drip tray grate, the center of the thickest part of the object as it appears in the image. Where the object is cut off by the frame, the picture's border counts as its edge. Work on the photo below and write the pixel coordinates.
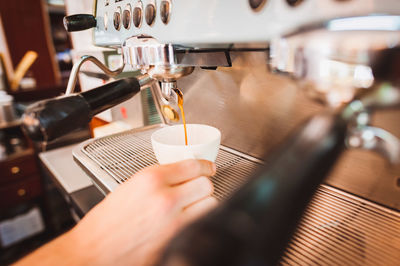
(341, 229)
(337, 228)
(124, 154)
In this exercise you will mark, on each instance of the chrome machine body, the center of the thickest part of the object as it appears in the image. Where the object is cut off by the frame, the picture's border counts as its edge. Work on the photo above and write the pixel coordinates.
(227, 56)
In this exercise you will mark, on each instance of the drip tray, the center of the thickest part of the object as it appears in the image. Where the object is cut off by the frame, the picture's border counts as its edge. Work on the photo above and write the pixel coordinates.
(337, 228)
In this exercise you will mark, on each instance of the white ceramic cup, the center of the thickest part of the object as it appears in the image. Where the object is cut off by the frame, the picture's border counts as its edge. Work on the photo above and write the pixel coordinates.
(169, 143)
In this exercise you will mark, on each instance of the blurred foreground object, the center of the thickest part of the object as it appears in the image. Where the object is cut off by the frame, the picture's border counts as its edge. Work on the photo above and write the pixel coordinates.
(23, 66)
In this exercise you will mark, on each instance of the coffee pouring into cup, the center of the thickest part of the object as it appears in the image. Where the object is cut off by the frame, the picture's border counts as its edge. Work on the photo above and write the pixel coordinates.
(169, 143)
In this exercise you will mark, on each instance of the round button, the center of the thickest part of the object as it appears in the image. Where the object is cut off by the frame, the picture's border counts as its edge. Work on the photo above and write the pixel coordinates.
(117, 19)
(126, 17)
(137, 16)
(150, 14)
(165, 11)
(256, 4)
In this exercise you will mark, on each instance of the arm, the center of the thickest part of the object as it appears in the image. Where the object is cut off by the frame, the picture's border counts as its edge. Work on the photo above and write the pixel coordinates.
(133, 224)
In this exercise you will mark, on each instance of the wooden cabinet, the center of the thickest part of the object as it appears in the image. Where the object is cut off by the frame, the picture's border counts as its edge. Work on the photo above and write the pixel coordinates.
(20, 179)
(25, 191)
(19, 167)
(18, 192)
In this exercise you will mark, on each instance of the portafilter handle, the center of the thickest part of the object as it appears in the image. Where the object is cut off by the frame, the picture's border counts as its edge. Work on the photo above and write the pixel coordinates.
(50, 119)
(79, 22)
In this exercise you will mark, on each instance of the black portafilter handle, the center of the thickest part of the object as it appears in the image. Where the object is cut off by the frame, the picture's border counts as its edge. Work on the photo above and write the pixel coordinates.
(79, 22)
(254, 226)
(50, 119)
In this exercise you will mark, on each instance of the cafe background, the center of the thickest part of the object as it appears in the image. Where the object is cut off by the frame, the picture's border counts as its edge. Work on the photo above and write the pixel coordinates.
(36, 59)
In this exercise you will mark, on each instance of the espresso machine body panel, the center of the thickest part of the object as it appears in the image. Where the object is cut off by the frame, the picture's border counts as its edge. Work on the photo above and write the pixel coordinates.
(256, 111)
(214, 24)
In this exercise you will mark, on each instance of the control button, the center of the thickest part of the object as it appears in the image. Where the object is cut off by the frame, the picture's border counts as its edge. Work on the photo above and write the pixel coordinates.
(137, 16)
(117, 19)
(150, 14)
(257, 4)
(126, 17)
(165, 11)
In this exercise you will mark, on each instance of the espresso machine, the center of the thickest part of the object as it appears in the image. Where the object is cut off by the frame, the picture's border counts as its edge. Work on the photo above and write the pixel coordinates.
(307, 97)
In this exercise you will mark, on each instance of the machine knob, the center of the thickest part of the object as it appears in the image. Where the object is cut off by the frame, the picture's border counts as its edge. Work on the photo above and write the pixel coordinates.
(137, 16)
(165, 11)
(79, 22)
(150, 14)
(126, 17)
(117, 19)
(256, 4)
(294, 2)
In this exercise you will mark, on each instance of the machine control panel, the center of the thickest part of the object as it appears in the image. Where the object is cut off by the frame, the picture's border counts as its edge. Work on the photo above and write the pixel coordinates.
(211, 24)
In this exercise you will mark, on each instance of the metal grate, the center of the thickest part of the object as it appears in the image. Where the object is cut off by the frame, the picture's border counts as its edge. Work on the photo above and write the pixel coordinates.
(124, 154)
(337, 228)
(342, 229)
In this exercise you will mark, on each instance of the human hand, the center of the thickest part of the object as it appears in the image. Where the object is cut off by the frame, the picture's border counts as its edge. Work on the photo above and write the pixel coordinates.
(133, 223)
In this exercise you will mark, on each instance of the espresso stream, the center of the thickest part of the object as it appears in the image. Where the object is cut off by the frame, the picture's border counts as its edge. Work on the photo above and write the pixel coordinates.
(180, 104)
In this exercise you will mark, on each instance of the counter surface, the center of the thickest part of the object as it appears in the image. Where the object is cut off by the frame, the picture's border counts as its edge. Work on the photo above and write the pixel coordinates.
(71, 179)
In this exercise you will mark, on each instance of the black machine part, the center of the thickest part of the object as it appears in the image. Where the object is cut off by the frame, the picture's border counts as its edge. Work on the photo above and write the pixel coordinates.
(79, 22)
(255, 225)
(49, 119)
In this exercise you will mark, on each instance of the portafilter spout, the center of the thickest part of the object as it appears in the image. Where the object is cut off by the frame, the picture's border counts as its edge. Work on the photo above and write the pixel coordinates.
(168, 77)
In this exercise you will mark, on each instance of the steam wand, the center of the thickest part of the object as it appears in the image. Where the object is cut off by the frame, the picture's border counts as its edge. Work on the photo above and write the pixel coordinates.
(77, 66)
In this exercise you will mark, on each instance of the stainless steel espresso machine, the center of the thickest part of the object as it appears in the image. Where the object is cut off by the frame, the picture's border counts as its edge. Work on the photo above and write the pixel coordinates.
(307, 97)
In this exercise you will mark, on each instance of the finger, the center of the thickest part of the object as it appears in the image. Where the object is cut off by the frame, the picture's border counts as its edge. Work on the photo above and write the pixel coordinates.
(198, 209)
(192, 191)
(176, 173)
